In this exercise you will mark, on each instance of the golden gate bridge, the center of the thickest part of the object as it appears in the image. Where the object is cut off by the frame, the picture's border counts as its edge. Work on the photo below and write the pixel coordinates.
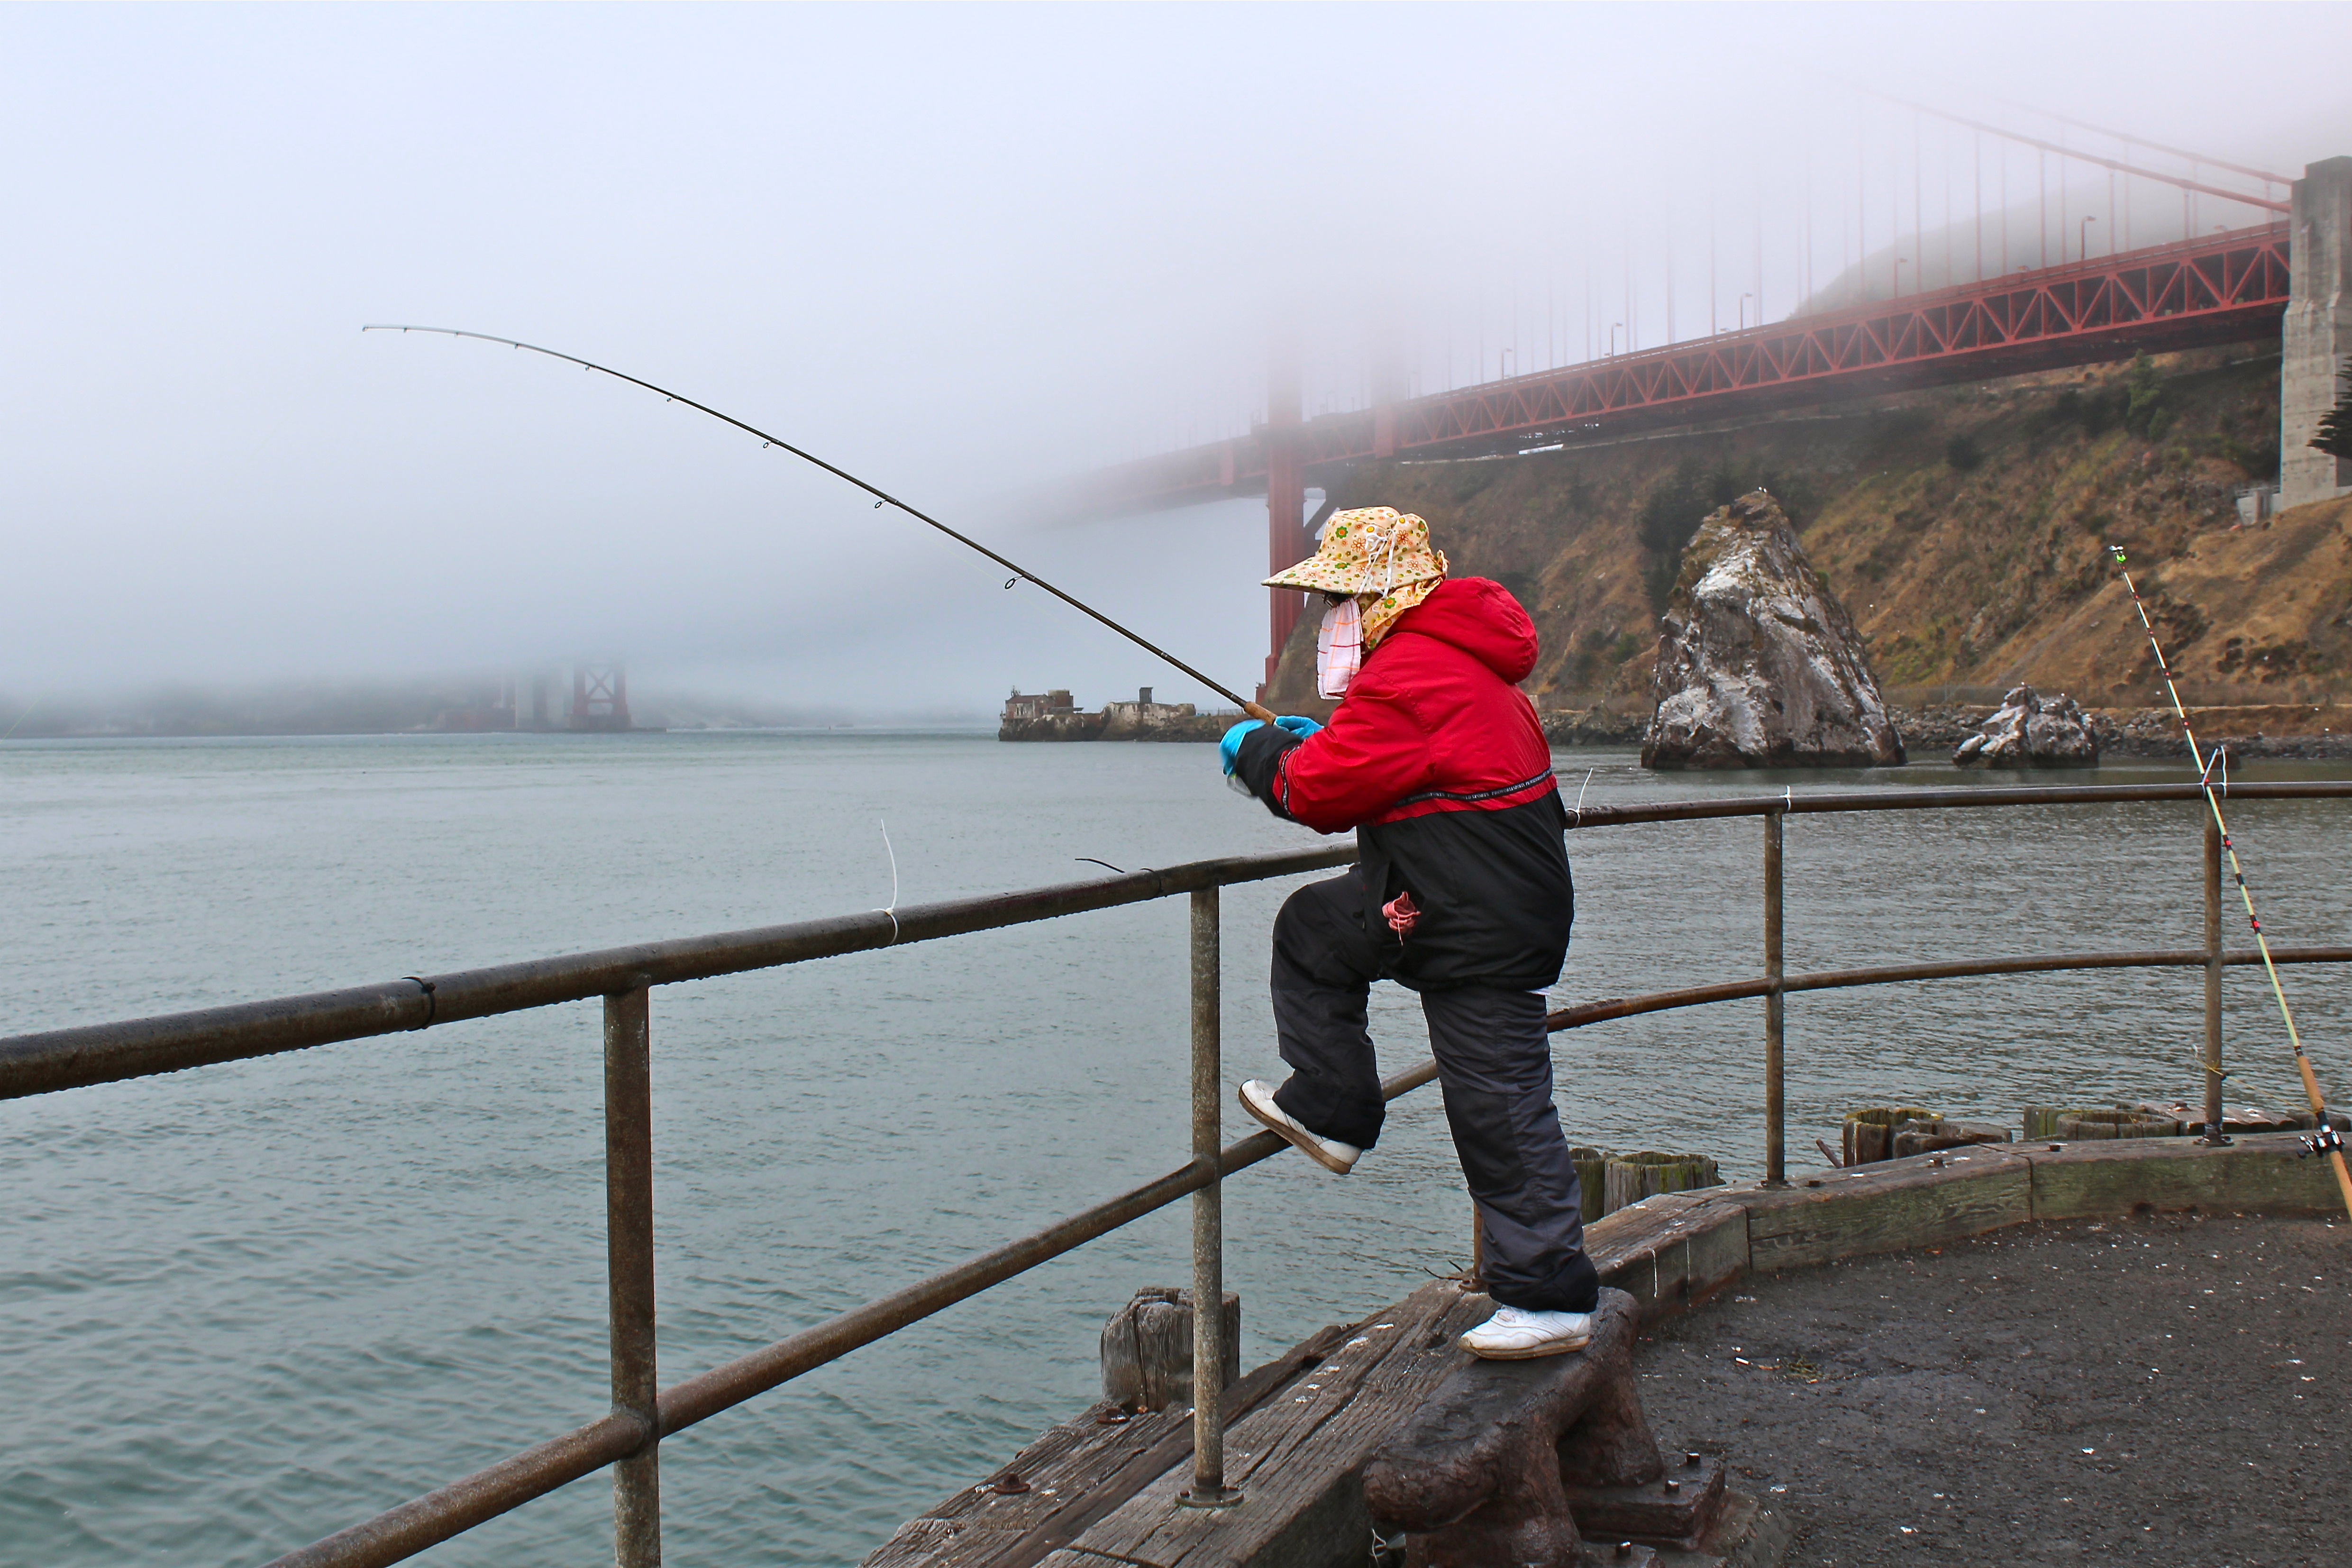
(1959, 315)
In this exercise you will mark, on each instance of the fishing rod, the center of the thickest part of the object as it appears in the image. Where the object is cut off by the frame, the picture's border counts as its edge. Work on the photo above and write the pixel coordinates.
(2326, 1141)
(882, 497)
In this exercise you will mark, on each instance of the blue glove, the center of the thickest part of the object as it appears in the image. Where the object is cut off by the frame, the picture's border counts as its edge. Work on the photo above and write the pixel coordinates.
(1229, 750)
(1302, 728)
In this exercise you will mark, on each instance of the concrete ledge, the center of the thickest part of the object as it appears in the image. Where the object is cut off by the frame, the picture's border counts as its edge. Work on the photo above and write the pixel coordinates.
(1887, 1206)
(1676, 1250)
(2257, 1173)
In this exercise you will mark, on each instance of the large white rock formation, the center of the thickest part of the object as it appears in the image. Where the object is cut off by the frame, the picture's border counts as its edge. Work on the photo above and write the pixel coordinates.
(2030, 730)
(1758, 664)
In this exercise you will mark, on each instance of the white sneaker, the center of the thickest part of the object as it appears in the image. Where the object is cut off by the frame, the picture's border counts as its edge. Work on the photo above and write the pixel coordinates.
(1257, 1099)
(1512, 1334)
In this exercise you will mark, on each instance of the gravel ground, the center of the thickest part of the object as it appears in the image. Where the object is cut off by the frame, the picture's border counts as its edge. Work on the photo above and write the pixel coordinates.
(2137, 1390)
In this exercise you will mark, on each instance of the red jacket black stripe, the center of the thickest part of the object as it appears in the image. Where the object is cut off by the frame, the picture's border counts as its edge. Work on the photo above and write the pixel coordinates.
(1436, 759)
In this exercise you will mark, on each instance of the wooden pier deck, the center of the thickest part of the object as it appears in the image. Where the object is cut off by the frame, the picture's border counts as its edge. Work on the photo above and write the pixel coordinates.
(1095, 1490)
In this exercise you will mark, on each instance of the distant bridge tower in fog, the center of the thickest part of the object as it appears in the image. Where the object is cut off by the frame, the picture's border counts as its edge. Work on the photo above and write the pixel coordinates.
(600, 695)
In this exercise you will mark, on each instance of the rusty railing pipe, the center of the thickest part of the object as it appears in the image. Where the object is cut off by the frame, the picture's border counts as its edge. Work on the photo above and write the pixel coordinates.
(1776, 1132)
(420, 1523)
(629, 1271)
(1940, 799)
(2212, 1063)
(78, 1057)
(1208, 1488)
(1954, 969)
(105, 1053)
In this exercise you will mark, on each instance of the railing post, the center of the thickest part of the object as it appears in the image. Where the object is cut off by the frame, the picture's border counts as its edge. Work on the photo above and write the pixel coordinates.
(2212, 979)
(1776, 1134)
(629, 1270)
(1208, 1488)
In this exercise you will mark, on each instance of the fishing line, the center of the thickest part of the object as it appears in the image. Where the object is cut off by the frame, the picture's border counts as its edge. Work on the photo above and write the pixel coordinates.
(2326, 1141)
(882, 497)
(892, 908)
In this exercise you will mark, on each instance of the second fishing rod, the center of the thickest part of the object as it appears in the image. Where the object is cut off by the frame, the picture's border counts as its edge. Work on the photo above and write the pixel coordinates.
(2326, 1141)
(882, 498)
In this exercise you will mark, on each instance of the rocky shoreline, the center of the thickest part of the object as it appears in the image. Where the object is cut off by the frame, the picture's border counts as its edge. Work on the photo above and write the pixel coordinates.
(2148, 732)
(1930, 732)
(2294, 733)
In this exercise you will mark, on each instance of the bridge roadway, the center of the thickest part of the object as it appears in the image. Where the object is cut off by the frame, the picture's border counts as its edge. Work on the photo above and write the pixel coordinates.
(2220, 288)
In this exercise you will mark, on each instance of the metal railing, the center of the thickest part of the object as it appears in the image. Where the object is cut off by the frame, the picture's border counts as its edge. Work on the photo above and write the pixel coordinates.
(629, 1437)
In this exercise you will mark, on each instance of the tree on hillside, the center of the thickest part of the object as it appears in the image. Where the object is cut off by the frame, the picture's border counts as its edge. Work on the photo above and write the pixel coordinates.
(2335, 437)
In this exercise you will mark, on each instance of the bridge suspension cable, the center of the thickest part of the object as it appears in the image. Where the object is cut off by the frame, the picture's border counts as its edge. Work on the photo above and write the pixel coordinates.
(2266, 203)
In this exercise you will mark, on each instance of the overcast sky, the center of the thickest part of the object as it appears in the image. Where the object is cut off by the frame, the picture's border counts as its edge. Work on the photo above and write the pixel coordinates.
(960, 250)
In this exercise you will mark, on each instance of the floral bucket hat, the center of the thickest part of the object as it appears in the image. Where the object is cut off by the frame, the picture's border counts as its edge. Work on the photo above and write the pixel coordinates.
(1375, 554)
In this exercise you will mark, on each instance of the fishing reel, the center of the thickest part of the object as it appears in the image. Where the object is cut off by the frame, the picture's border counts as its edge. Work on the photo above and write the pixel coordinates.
(2326, 1141)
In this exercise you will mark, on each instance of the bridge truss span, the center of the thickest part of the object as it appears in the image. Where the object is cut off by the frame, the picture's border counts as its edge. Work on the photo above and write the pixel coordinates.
(2220, 287)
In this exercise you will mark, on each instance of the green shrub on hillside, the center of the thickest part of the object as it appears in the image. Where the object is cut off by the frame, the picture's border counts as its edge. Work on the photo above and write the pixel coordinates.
(1678, 503)
(2099, 413)
(1962, 452)
(2145, 411)
(1463, 481)
(2094, 412)
(2259, 458)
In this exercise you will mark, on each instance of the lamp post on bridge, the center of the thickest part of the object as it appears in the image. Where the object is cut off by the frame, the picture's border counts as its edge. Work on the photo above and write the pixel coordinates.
(2082, 239)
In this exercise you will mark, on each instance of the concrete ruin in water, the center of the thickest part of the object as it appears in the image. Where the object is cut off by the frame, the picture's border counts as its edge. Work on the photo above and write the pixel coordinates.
(1054, 716)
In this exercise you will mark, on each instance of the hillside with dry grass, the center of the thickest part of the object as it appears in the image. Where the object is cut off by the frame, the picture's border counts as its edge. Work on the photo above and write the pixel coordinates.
(1962, 527)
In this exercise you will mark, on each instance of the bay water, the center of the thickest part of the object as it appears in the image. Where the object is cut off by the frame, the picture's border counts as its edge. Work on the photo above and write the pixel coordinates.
(243, 1306)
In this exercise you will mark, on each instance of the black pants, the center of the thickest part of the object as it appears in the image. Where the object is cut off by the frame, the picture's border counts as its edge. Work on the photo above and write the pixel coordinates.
(1493, 1062)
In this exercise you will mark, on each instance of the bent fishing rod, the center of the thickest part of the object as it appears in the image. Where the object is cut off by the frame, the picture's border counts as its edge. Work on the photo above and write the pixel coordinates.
(2326, 1141)
(881, 498)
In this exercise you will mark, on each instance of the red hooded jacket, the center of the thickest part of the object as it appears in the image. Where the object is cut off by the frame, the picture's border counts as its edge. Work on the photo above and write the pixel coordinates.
(1434, 721)
(1438, 759)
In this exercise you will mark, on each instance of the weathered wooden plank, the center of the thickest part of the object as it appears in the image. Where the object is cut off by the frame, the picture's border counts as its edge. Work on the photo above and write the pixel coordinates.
(2259, 1172)
(1672, 1250)
(1170, 1453)
(1886, 1206)
(1077, 1473)
(975, 1525)
(1300, 1460)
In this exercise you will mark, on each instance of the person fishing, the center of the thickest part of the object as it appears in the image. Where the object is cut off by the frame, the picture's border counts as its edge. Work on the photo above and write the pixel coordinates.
(1461, 892)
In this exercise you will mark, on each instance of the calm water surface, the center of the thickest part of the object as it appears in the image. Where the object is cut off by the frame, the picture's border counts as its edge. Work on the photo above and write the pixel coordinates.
(243, 1306)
